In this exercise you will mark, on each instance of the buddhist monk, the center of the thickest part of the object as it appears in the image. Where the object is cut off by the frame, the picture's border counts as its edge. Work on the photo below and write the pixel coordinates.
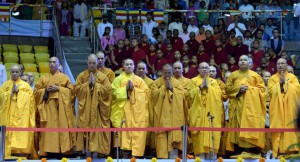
(129, 109)
(178, 74)
(61, 68)
(31, 79)
(213, 74)
(17, 109)
(204, 96)
(141, 71)
(290, 69)
(247, 103)
(101, 66)
(167, 97)
(93, 90)
(25, 78)
(54, 98)
(284, 91)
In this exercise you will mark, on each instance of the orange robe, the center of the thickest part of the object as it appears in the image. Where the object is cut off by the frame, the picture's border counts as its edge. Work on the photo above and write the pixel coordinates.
(93, 112)
(283, 111)
(109, 73)
(55, 112)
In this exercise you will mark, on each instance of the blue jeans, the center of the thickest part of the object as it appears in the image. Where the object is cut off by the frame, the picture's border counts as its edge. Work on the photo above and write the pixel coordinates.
(288, 29)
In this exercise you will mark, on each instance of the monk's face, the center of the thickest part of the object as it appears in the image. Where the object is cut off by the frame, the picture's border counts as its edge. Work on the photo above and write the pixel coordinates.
(25, 78)
(31, 77)
(54, 64)
(177, 70)
(281, 65)
(203, 69)
(15, 73)
(92, 64)
(128, 66)
(141, 69)
(244, 62)
(266, 77)
(167, 72)
(212, 72)
(290, 70)
(101, 60)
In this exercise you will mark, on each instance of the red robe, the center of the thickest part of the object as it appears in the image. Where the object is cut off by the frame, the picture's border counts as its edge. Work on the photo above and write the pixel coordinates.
(170, 56)
(145, 47)
(229, 49)
(160, 63)
(271, 67)
(187, 53)
(191, 73)
(289, 62)
(240, 50)
(209, 45)
(162, 47)
(220, 55)
(233, 68)
(138, 55)
(203, 57)
(257, 56)
(177, 43)
(193, 46)
(152, 58)
(120, 55)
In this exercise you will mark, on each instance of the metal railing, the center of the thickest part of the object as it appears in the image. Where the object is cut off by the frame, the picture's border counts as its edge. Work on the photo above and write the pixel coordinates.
(58, 52)
(2, 144)
(94, 35)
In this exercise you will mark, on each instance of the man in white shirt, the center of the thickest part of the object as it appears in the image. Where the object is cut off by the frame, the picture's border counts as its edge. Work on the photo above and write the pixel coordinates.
(207, 26)
(80, 19)
(3, 76)
(237, 26)
(192, 27)
(148, 25)
(101, 26)
(176, 24)
(246, 10)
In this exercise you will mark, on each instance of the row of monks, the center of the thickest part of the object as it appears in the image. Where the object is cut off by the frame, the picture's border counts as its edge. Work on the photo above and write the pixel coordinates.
(135, 101)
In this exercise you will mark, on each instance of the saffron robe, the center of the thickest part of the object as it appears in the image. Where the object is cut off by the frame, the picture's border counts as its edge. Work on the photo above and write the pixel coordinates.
(109, 73)
(283, 111)
(246, 111)
(17, 110)
(55, 112)
(131, 107)
(169, 111)
(202, 102)
(93, 112)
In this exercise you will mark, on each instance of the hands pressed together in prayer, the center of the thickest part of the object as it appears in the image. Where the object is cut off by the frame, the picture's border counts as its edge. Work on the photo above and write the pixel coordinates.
(204, 83)
(129, 86)
(168, 84)
(53, 88)
(92, 80)
(14, 88)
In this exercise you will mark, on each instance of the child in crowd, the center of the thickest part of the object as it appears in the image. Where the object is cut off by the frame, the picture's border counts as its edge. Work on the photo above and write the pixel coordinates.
(107, 40)
(232, 64)
(284, 55)
(160, 60)
(185, 51)
(201, 36)
(219, 53)
(192, 43)
(188, 71)
(145, 43)
(177, 56)
(151, 57)
(256, 52)
(202, 56)
(247, 39)
(169, 54)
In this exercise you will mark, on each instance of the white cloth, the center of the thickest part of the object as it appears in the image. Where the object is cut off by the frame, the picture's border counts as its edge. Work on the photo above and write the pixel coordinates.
(3, 76)
(147, 28)
(208, 27)
(193, 28)
(175, 25)
(184, 36)
(246, 11)
(82, 26)
(80, 11)
(238, 33)
(101, 28)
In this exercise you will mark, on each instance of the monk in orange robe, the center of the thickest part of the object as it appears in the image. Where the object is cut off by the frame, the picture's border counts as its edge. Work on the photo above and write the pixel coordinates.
(54, 98)
(247, 109)
(101, 66)
(178, 74)
(93, 90)
(284, 91)
(17, 109)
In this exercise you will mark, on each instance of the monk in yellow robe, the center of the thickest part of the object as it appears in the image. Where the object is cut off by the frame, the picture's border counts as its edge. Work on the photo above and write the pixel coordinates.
(284, 91)
(129, 109)
(204, 96)
(17, 109)
(141, 71)
(54, 96)
(101, 66)
(247, 109)
(168, 98)
(178, 70)
(93, 90)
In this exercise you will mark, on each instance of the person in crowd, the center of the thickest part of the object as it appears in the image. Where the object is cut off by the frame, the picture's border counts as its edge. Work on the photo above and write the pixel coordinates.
(119, 54)
(65, 19)
(131, 27)
(269, 28)
(186, 51)
(261, 18)
(168, 98)
(201, 35)
(178, 74)
(101, 67)
(204, 92)
(160, 44)
(101, 26)
(277, 44)
(248, 40)
(288, 20)
(246, 9)
(3, 76)
(18, 109)
(209, 42)
(138, 53)
(80, 19)
(162, 29)
(276, 16)
(153, 38)
(177, 24)
(31, 79)
(188, 70)
(107, 39)
(148, 25)
(219, 53)
(284, 91)
(207, 26)
(217, 34)
(265, 36)
(285, 55)
(92, 89)
(151, 57)
(241, 90)
(25, 78)
(192, 43)
(290, 69)
(176, 41)
(263, 44)
(161, 60)
(144, 43)
(193, 26)
(257, 54)
(240, 48)
(232, 64)
(237, 26)
(54, 98)
(266, 65)
(185, 34)
(119, 32)
(130, 99)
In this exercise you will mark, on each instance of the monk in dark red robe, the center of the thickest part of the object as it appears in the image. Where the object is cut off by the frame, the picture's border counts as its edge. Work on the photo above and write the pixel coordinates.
(188, 71)
(161, 61)
(256, 53)
(176, 41)
(137, 54)
(240, 48)
(209, 42)
(192, 43)
(232, 66)
(169, 54)
(220, 53)
(202, 56)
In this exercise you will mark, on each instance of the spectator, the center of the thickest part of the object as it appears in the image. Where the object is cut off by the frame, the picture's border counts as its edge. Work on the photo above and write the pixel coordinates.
(192, 43)
(132, 25)
(101, 26)
(174, 4)
(251, 25)
(65, 19)
(191, 13)
(285, 55)
(262, 16)
(202, 14)
(138, 53)
(232, 38)
(257, 53)
(230, 49)
(202, 56)
(153, 39)
(219, 53)
(107, 40)
(151, 57)
(161, 4)
(185, 34)
(265, 36)
(277, 13)
(229, 5)
(240, 48)
(2, 74)
(248, 40)
(162, 29)
(160, 44)
(288, 20)
(176, 41)
(246, 10)
(262, 43)
(192, 27)
(137, 34)
(150, 4)
(183, 4)
(237, 26)
(232, 65)
(276, 43)
(169, 54)
(186, 51)
(144, 43)
(267, 66)
(119, 32)
(160, 60)
(207, 26)
(209, 42)
(222, 26)
(148, 25)
(177, 24)
(118, 55)
(80, 19)
(201, 36)
(217, 34)
(188, 71)
(269, 28)
(169, 37)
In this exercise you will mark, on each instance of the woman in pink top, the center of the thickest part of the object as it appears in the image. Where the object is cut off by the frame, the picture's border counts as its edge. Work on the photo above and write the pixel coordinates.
(119, 32)
(107, 40)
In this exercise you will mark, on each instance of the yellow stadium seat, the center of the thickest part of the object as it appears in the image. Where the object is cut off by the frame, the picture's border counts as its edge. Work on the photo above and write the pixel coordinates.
(26, 55)
(30, 60)
(11, 59)
(15, 54)
(30, 67)
(25, 48)
(10, 48)
(41, 49)
(44, 67)
(8, 65)
(36, 54)
(41, 58)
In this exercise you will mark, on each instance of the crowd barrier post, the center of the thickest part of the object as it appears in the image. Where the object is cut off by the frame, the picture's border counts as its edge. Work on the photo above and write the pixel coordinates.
(2, 146)
(184, 140)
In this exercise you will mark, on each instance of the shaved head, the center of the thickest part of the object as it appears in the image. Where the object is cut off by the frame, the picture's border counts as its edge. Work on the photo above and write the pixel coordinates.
(290, 69)
(15, 72)
(203, 69)
(244, 62)
(178, 69)
(31, 77)
(226, 75)
(141, 69)
(167, 71)
(92, 62)
(25, 78)
(281, 65)
(212, 72)
(128, 66)
(101, 59)
(266, 76)
(54, 64)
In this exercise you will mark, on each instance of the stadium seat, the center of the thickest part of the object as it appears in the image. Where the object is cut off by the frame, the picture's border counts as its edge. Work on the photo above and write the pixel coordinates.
(41, 58)
(10, 48)
(14, 54)
(44, 67)
(30, 60)
(41, 49)
(26, 55)
(25, 48)
(11, 59)
(8, 65)
(30, 67)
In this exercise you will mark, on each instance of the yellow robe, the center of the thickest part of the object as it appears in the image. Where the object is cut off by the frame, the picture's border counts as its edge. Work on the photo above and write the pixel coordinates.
(283, 111)
(169, 111)
(202, 102)
(18, 110)
(132, 108)
(246, 111)
(55, 112)
(185, 82)
(109, 73)
(93, 112)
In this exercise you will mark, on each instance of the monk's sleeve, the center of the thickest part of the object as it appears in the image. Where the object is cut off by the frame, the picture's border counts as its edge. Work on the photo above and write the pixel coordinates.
(104, 90)
(39, 91)
(81, 89)
(111, 76)
(292, 84)
(224, 95)
(231, 89)
(4, 102)
(119, 101)
(120, 93)
(193, 91)
(157, 92)
(272, 86)
(32, 111)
